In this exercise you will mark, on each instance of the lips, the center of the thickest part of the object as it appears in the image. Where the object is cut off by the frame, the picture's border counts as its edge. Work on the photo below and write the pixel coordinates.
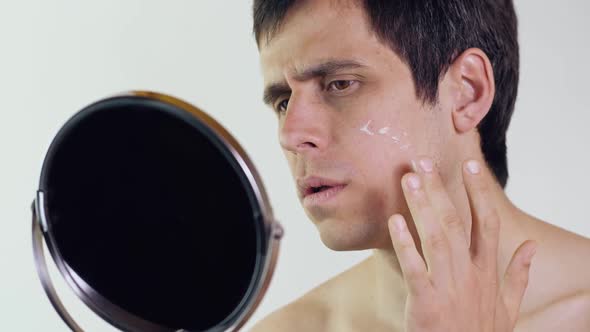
(313, 185)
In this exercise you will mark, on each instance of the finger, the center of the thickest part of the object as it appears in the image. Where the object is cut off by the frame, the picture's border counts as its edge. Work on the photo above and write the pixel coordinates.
(410, 261)
(451, 223)
(433, 240)
(485, 228)
(516, 278)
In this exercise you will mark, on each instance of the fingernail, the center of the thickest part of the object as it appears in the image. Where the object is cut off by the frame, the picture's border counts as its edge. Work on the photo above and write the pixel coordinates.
(413, 181)
(414, 168)
(473, 167)
(426, 165)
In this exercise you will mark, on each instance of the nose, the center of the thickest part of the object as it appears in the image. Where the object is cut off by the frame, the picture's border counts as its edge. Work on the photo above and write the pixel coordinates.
(305, 127)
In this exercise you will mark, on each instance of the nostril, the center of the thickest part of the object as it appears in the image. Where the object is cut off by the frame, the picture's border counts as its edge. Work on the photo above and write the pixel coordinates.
(300, 138)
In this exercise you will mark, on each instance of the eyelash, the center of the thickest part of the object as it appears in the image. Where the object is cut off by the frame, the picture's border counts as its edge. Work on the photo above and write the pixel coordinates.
(350, 83)
(278, 107)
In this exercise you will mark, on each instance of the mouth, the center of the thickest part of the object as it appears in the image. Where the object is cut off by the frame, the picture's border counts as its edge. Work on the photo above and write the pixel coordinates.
(315, 190)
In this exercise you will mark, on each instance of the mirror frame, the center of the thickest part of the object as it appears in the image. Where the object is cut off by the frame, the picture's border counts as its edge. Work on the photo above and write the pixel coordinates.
(116, 316)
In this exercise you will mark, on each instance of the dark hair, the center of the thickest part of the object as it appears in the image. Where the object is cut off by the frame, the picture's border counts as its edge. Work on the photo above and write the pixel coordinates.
(428, 35)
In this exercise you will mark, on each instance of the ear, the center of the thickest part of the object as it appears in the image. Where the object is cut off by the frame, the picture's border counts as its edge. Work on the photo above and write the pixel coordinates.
(473, 80)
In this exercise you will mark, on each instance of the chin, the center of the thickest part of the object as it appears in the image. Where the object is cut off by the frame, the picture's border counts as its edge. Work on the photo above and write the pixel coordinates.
(340, 235)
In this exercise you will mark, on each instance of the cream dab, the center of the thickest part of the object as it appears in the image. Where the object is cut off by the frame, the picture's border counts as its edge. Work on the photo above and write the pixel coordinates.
(384, 131)
(405, 146)
(365, 128)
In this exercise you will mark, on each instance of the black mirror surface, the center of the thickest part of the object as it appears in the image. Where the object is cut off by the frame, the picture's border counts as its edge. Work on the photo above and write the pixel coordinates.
(146, 205)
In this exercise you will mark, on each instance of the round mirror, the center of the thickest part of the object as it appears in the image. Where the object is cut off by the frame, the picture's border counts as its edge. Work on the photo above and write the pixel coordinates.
(155, 217)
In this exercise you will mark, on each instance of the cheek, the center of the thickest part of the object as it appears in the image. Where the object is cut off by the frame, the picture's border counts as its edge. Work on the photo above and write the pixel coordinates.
(383, 152)
(291, 161)
(384, 137)
(378, 193)
(403, 135)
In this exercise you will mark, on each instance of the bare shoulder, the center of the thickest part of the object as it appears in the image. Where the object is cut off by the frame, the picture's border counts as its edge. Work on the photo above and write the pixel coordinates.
(564, 262)
(570, 313)
(304, 314)
(558, 294)
(318, 309)
(311, 312)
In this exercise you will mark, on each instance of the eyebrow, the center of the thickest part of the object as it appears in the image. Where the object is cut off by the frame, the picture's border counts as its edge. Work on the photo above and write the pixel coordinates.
(275, 90)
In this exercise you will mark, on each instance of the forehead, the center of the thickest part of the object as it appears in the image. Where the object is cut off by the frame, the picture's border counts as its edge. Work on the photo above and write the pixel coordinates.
(317, 31)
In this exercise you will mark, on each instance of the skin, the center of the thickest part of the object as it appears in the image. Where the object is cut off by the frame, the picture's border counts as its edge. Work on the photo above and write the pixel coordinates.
(465, 245)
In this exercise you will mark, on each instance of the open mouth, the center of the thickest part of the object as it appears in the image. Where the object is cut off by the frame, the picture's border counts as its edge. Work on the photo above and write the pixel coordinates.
(319, 189)
(316, 187)
(324, 190)
(317, 195)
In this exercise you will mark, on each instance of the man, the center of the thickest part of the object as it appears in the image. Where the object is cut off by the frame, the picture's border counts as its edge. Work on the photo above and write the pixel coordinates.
(393, 118)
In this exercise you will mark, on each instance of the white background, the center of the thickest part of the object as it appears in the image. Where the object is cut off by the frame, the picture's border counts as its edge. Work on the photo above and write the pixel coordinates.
(58, 56)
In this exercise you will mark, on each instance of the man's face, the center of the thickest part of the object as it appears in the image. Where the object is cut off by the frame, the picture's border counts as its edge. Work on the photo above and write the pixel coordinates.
(348, 115)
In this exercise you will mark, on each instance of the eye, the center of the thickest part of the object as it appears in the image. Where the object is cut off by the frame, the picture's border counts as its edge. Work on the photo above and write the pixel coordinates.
(281, 106)
(340, 85)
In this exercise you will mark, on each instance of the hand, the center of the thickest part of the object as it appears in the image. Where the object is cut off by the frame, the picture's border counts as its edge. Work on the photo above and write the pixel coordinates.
(457, 288)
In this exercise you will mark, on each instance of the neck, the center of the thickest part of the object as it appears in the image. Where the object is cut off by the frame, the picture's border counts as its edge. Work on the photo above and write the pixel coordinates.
(390, 289)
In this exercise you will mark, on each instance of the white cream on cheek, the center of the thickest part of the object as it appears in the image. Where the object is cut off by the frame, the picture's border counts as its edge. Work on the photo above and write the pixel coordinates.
(365, 129)
(401, 140)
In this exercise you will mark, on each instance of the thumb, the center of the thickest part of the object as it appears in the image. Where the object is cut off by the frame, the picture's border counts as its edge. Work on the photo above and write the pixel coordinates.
(516, 278)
